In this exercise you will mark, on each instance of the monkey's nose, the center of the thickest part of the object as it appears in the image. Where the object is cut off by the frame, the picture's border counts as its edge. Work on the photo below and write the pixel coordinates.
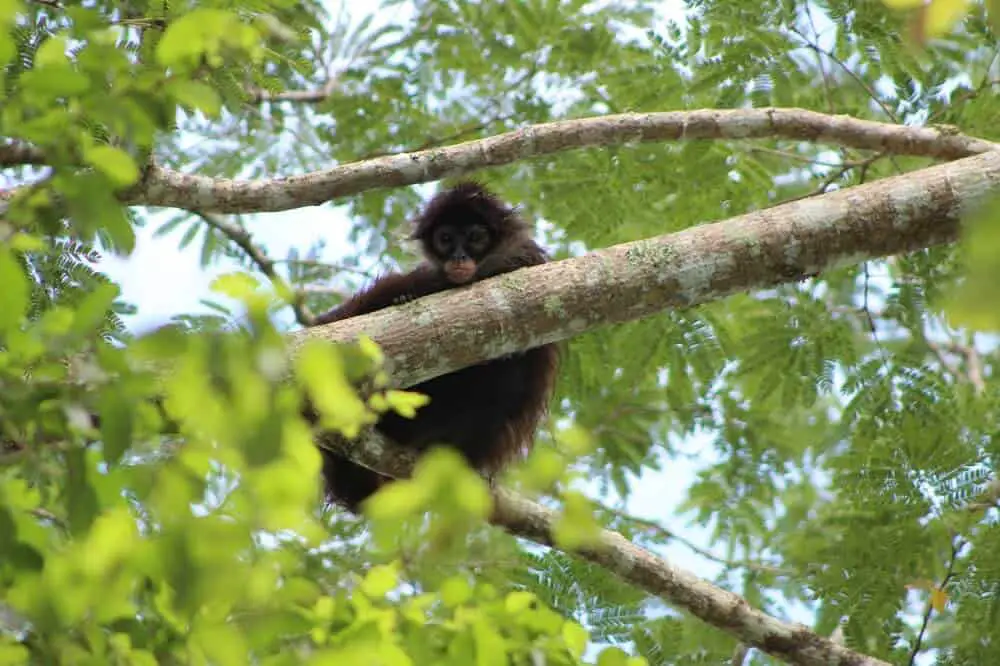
(461, 271)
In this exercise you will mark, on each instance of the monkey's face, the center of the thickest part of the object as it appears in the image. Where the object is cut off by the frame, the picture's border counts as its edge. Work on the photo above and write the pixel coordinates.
(459, 249)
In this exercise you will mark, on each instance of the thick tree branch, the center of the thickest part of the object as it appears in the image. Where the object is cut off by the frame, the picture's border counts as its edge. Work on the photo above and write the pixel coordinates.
(522, 517)
(556, 301)
(14, 152)
(164, 187)
(793, 643)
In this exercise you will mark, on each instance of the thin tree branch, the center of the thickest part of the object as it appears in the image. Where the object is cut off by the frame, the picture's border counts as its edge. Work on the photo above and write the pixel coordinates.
(333, 266)
(823, 187)
(956, 545)
(668, 534)
(259, 95)
(988, 499)
(851, 73)
(973, 371)
(242, 238)
(165, 187)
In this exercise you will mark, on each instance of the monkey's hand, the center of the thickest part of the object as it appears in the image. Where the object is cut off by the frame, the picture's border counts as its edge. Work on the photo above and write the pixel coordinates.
(404, 298)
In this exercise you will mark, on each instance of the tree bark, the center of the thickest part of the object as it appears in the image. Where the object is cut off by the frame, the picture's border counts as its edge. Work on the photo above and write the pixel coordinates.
(559, 300)
(166, 187)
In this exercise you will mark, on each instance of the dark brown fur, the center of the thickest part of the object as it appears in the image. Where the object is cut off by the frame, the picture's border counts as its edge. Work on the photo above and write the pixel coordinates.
(489, 411)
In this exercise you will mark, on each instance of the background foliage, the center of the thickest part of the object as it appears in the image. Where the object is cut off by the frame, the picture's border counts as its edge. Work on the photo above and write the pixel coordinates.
(848, 426)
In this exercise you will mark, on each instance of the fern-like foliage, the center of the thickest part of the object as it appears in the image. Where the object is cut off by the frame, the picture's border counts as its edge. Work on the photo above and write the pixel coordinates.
(64, 272)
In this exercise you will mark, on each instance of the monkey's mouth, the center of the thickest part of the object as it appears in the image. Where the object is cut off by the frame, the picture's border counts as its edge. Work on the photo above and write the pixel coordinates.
(460, 272)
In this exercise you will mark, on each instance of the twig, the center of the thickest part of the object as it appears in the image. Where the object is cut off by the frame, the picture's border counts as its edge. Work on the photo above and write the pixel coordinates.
(840, 63)
(241, 237)
(336, 267)
(259, 95)
(707, 554)
(807, 159)
(317, 290)
(956, 545)
(989, 499)
(842, 169)
(973, 372)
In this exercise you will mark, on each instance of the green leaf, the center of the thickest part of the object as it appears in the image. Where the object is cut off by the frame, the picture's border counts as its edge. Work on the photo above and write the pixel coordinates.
(52, 52)
(520, 601)
(612, 656)
(322, 370)
(397, 500)
(15, 292)
(575, 637)
(222, 643)
(238, 286)
(993, 15)
(455, 591)
(405, 403)
(9, 9)
(200, 34)
(972, 301)
(491, 649)
(92, 311)
(80, 498)
(577, 526)
(380, 580)
(941, 15)
(7, 49)
(113, 162)
(55, 82)
(23, 242)
(13, 655)
(196, 95)
(117, 416)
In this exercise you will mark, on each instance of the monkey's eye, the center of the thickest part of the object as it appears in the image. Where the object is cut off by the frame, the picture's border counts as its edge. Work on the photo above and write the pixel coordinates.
(477, 238)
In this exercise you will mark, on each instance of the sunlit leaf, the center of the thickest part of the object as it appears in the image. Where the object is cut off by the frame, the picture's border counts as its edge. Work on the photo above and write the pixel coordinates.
(116, 164)
(380, 580)
(196, 95)
(116, 423)
(15, 291)
(405, 403)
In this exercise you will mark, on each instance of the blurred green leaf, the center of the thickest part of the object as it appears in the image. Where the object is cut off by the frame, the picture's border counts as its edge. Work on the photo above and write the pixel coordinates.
(15, 292)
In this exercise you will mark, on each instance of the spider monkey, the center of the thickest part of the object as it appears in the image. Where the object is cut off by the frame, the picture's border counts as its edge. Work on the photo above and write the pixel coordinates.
(489, 411)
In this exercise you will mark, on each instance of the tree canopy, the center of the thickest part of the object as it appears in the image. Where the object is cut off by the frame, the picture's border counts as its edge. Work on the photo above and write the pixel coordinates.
(774, 433)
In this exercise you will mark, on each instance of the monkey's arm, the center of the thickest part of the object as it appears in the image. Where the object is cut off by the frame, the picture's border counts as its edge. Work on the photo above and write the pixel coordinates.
(388, 290)
(524, 254)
